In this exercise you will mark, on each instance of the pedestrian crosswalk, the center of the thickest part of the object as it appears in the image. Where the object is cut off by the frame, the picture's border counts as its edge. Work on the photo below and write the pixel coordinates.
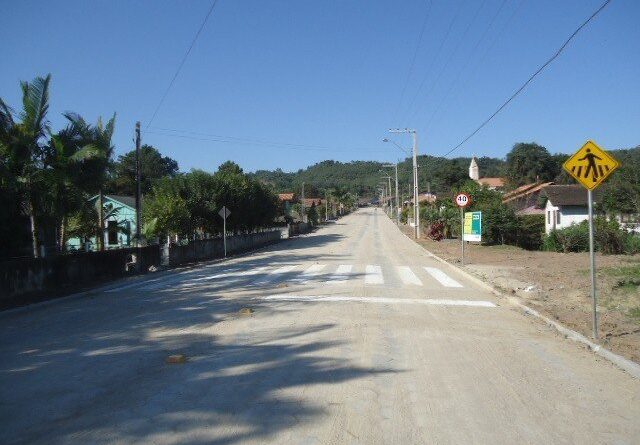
(350, 274)
(306, 274)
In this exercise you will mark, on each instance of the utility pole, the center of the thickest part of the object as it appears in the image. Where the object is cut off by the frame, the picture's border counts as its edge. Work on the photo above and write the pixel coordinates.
(326, 206)
(302, 203)
(416, 205)
(138, 187)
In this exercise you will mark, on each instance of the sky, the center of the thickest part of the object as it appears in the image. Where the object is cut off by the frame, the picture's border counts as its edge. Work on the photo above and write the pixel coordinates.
(286, 84)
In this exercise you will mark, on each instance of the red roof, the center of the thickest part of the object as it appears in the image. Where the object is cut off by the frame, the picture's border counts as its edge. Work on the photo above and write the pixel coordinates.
(492, 182)
(308, 202)
(525, 190)
(286, 196)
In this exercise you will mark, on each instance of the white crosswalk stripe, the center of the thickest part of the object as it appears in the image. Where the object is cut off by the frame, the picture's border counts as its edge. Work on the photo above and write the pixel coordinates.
(274, 275)
(309, 274)
(408, 277)
(442, 277)
(373, 275)
(341, 275)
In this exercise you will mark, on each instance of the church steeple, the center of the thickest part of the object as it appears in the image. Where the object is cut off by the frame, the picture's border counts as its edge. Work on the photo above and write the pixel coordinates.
(474, 171)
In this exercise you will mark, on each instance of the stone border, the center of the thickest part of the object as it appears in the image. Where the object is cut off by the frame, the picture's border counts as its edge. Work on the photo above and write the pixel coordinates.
(625, 364)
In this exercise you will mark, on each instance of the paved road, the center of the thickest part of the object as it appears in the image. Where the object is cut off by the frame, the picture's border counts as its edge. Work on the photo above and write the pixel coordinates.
(357, 336)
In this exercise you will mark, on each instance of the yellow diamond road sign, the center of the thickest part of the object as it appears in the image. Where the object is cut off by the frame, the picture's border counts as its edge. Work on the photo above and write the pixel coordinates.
(590, 165)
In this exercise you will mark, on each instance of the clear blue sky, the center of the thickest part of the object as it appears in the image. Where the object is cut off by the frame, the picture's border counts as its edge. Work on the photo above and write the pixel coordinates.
(331, 74)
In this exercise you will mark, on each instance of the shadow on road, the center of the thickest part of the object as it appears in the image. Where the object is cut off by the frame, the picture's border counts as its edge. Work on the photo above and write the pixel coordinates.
(94, 372)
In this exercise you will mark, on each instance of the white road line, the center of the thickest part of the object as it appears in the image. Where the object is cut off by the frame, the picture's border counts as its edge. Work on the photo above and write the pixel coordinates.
(442, 277)
(235, 272)
(310, 273)
(341, 275)
(373, 275)
(408, 277)
(380, 300)
(274, 275)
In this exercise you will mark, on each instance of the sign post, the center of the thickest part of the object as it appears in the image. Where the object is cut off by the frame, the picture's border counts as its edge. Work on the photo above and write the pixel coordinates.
(590, 166)
(224, 213)
(462, 200)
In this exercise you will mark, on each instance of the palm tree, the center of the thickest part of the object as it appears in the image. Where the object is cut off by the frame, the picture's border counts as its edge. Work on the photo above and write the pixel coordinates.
(100, 149)
(21, 149)
(67, 152)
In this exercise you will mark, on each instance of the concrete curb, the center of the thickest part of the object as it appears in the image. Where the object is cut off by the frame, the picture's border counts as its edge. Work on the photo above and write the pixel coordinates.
(627, 365)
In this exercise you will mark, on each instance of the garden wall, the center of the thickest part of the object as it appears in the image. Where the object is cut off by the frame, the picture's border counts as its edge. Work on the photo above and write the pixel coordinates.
(27, 280)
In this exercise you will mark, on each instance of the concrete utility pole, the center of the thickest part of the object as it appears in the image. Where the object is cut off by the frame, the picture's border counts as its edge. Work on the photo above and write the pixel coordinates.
(138, 187)
(397, 193)
(416, 205)
(390, 195)
(302, 204)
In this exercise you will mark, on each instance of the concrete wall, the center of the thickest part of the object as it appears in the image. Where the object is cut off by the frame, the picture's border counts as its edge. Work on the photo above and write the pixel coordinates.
(214, 248)
(28, 280)
(299, 228)
(560, 217)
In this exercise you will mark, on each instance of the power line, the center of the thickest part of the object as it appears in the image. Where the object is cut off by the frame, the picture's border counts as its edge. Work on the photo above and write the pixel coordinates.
(451, 56)
(524, 85)
(184, 59)
(413, 59)
(442, 42)
(461, 70)
(200, 136)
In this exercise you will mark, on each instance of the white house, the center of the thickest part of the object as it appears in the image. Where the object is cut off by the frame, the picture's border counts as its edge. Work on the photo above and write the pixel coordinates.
(566, 205)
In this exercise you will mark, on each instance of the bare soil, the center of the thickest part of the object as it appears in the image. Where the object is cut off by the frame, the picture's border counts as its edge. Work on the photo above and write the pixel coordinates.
(558, 285)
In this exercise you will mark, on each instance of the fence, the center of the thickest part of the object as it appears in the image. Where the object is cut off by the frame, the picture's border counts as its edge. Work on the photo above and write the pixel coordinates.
(28, 280)
(207, 249)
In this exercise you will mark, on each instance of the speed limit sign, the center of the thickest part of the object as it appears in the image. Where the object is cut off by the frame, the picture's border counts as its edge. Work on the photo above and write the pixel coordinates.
(463, 199)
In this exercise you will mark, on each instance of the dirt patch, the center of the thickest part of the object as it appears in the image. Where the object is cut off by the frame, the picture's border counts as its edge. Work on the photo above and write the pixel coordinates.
(558, 285)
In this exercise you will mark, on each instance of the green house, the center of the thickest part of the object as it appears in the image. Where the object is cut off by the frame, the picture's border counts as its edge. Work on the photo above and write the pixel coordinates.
(119, 225)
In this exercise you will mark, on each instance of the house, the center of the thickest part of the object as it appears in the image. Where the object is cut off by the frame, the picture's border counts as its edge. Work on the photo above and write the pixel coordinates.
(491, 183)
(566, 205)
(119, 224)
(525, 199)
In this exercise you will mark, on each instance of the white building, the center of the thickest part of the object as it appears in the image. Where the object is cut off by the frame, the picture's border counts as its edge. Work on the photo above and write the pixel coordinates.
(566, 205)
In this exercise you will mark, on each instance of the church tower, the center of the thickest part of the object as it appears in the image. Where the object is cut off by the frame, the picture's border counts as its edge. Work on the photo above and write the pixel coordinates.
(474, 171)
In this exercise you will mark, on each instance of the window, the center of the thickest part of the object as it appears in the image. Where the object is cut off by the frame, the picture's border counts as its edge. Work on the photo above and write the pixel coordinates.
(548, 216)
(558, 217)
(112, 232)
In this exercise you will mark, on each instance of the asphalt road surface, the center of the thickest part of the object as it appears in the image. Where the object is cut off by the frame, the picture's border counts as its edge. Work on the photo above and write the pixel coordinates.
(357, 336)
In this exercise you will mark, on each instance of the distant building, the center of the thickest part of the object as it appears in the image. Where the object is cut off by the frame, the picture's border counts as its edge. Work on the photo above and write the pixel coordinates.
(566, 205)
(119, 224)
(491, 183)
(525, 199)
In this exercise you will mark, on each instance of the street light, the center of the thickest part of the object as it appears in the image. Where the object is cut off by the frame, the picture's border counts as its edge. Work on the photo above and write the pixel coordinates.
(397, 197)
(416, 207)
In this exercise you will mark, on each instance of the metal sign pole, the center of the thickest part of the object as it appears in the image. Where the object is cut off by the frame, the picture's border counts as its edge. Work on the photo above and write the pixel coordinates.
(592, 258)
(462, 231)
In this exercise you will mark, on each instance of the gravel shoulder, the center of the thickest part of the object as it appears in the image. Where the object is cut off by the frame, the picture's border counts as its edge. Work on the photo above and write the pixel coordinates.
(557, 284)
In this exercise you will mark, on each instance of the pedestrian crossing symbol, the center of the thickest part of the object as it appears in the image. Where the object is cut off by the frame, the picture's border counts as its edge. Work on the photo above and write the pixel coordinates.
(591, 165)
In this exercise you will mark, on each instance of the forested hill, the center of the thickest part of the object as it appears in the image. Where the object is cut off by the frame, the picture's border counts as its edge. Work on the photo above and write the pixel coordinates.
(525, 163)
(363, 177)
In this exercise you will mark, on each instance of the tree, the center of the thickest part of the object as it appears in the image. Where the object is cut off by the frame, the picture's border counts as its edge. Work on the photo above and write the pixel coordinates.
(100, 147)
(530, 162)
(22, 150)
(153, 166)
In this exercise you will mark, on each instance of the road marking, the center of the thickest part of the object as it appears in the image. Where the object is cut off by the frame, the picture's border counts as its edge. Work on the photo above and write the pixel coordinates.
(235, 272)
(310, 273)
(442, 277)
(373, 275)
(408, 277)
(341, 275)
(274, 275)
(377, 300)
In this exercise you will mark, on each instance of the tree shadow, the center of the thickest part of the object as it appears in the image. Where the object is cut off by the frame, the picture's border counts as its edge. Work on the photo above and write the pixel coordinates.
(96, 372)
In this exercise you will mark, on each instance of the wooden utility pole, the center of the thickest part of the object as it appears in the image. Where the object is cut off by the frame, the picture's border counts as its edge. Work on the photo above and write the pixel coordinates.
(138, 187)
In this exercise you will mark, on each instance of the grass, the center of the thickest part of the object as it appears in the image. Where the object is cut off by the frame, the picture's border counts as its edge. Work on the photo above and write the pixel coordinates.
(635, 313)
(632, 272)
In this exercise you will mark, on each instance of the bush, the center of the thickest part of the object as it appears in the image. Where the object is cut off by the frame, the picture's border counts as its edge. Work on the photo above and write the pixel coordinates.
(574, 238)
(530, 232)
(404, 215)
(608, 236)
(632, 244)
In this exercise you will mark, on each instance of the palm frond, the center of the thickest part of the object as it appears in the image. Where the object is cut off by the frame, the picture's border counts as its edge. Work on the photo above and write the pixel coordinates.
(35, 104)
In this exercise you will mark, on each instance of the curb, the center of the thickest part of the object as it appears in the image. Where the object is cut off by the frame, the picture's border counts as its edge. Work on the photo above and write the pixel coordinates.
(625, 364)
